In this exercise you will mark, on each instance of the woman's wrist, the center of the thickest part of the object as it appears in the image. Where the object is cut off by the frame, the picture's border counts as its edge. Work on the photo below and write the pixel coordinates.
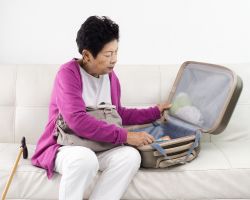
(163, 106)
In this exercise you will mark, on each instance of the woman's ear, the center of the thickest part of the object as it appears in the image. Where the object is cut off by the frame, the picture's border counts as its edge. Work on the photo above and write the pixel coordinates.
(86, 55)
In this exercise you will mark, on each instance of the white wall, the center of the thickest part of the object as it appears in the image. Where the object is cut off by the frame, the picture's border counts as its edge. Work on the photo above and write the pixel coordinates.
(152, 32)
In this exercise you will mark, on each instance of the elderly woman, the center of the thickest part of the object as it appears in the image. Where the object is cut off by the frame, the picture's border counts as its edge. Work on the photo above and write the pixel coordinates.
(87, 82)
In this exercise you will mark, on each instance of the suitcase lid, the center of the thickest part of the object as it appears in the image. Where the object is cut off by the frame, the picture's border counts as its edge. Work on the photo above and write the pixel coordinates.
(204, 95)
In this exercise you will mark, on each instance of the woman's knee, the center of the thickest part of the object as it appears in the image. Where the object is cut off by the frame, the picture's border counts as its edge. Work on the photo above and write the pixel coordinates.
(133, 156)
(129, 156)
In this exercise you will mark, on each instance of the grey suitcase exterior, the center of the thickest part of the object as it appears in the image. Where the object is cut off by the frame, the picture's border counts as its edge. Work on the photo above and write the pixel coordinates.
(203, 98)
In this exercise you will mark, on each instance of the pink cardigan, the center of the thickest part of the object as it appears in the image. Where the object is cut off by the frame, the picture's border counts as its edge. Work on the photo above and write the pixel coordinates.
(66, 98)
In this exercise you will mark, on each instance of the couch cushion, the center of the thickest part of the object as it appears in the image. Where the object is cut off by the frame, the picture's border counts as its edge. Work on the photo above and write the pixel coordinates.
(143, 79)
(7, 119)
(238, 127)
(33, 125)
(8, 85)
(34, 84)
(7, 102)
(222, 170)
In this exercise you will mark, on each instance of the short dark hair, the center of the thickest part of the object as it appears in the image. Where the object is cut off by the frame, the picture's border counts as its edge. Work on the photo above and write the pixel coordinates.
(95, 32)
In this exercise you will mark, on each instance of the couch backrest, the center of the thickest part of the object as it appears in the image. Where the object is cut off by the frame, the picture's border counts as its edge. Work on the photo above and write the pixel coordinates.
(25, 93)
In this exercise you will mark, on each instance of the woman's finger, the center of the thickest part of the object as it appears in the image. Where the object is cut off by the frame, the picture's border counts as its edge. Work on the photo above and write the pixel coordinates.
(151, 137)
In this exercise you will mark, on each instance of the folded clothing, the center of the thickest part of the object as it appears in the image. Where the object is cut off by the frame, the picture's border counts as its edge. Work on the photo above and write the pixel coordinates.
(182, 108)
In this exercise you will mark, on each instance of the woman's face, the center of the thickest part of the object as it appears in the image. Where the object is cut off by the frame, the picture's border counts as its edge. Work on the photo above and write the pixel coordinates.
(105, 59)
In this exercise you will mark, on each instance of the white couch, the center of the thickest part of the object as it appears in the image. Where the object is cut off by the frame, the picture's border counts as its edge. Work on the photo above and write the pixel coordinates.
(221, 171)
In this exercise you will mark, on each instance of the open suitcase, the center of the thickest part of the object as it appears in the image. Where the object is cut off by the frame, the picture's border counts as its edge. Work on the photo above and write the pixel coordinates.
(203, 98)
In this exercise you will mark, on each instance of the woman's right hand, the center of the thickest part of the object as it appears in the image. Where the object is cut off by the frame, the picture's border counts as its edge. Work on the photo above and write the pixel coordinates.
(139, 138)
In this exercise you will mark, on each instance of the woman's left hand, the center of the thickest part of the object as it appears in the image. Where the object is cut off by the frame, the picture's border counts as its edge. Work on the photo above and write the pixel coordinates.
(163, 106)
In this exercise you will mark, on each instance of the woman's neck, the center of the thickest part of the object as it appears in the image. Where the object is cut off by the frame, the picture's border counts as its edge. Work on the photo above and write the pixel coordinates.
(85, 67)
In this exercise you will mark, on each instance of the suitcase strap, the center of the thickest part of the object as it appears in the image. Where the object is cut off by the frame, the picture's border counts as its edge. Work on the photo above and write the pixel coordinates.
(196, 143)
(163, 151)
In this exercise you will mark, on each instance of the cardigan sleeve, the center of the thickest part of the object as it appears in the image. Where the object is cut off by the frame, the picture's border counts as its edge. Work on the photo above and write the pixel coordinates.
(73, 109)
(131, 116)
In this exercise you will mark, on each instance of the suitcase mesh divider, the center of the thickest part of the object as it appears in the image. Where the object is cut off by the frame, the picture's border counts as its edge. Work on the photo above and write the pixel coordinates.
(201, 94)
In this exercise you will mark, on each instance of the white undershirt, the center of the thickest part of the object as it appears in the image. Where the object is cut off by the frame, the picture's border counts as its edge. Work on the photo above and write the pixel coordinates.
(95, 90)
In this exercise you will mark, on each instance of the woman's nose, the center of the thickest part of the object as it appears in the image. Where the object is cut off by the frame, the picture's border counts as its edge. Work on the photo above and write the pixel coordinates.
(113, 59)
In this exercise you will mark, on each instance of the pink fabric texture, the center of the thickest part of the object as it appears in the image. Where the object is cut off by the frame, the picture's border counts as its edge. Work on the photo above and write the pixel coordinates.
(66, 98)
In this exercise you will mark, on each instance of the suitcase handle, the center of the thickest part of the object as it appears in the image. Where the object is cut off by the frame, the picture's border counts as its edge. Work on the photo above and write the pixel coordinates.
(163, 163)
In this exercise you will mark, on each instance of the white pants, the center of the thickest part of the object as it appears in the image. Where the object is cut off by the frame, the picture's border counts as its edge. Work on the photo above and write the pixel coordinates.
(79, 165)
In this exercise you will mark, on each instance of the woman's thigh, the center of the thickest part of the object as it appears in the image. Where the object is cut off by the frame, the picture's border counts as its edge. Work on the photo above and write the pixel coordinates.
(119, 156)
(72, 156)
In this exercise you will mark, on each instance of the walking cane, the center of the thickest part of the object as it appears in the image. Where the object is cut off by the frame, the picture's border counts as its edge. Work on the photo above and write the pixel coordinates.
(23, 150)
